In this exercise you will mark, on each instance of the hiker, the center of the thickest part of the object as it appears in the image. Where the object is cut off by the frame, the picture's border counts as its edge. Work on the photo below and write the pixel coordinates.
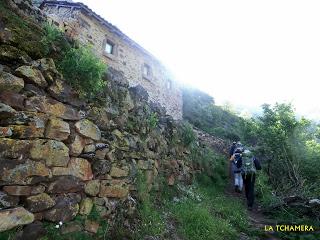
(236, 162)
(231, 152)
(250, 165)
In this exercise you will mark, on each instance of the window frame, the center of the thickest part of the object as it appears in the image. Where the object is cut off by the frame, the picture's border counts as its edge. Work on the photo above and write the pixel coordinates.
(114, 51)
(147, 76)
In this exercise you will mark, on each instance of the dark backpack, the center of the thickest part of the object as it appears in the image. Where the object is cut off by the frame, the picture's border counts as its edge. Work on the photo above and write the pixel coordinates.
(238, 160)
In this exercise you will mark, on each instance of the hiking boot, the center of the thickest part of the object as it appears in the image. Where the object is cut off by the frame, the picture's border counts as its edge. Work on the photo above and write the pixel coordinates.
(236, 188)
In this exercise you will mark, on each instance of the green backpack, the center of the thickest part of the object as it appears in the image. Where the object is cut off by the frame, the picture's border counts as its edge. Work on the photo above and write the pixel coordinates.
(248, 166)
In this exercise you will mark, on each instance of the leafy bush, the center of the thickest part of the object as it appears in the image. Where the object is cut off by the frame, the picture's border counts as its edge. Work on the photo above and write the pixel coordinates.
(54, 40)
(153, 120)
(83, 70)
(187, 134)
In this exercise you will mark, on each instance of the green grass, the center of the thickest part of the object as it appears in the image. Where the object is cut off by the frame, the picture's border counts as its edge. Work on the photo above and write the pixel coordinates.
(211, 216)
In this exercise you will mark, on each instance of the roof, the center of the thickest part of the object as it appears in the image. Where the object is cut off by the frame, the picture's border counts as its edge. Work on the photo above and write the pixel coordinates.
(101, 20)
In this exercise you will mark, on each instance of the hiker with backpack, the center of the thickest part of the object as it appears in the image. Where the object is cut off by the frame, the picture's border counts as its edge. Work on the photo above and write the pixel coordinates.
(249, 166)
(236, 162)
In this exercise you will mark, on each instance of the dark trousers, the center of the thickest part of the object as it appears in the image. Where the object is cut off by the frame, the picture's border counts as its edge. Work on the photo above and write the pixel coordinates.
(248, 182)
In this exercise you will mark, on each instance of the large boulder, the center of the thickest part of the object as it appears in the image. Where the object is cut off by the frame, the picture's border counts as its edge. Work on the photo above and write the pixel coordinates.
(77, 167)
(32, 75)
(53, 107)
(9, 82)
(11, 218)
(57, 129)
(88, 129)
(39, 202)
(53, 152)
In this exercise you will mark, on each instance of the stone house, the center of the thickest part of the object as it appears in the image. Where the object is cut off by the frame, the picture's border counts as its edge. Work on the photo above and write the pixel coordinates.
(118, 51)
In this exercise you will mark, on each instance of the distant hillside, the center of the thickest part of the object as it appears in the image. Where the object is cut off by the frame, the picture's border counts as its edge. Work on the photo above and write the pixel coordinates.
(200, 110)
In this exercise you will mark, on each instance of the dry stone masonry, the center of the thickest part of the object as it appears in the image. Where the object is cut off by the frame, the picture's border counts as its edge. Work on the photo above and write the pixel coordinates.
(61, 156)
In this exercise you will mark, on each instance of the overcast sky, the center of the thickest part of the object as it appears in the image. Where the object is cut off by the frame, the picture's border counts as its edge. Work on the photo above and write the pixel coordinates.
(243, 52)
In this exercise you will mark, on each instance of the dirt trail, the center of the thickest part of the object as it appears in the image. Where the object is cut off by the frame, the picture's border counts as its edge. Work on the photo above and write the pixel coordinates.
(258, 221)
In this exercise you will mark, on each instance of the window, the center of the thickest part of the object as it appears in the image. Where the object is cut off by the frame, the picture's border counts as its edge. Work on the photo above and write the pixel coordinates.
(109, 47)
(146, 71)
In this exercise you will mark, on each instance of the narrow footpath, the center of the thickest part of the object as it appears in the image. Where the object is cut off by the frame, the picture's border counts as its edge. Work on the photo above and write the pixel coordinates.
(258, 221)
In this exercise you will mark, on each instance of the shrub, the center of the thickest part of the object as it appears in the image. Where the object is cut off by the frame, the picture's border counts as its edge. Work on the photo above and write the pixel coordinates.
(187, 134)
(83, 70)
(54, 39)
(153, 120)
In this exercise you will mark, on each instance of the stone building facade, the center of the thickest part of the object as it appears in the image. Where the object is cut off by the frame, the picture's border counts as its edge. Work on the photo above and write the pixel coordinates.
(118, 51)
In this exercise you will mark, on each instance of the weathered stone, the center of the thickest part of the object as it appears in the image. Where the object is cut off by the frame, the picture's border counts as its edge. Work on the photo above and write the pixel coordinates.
(57, 129)
(26, 118)
(14, 217)
(13, 55)
(31, 75)
(33, 231)
(65, 210)
(27, 132)
(88, 129)
(92, 187)
(64, 93)
(65, 184)
(86, 206)
(5, 132)
(101, 154)
(13, 99)
(37, 189)
(118, 172)
(77, 146)
(23, 173)
(17, 190)
(9, 82)
(77, 167)
(53, 107)
(113, 189)
(53, 152)
(101, 168)
(32, 90)
(99, 117)
(10, 148)
(8, 201)
(71, 227)
(39, 202)
(6, 111)
(48, 69)
(89, 148)
(91, 226)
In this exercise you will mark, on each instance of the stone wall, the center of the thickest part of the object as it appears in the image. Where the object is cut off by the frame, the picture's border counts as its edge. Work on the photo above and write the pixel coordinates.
(60, 156)
(127, 57)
